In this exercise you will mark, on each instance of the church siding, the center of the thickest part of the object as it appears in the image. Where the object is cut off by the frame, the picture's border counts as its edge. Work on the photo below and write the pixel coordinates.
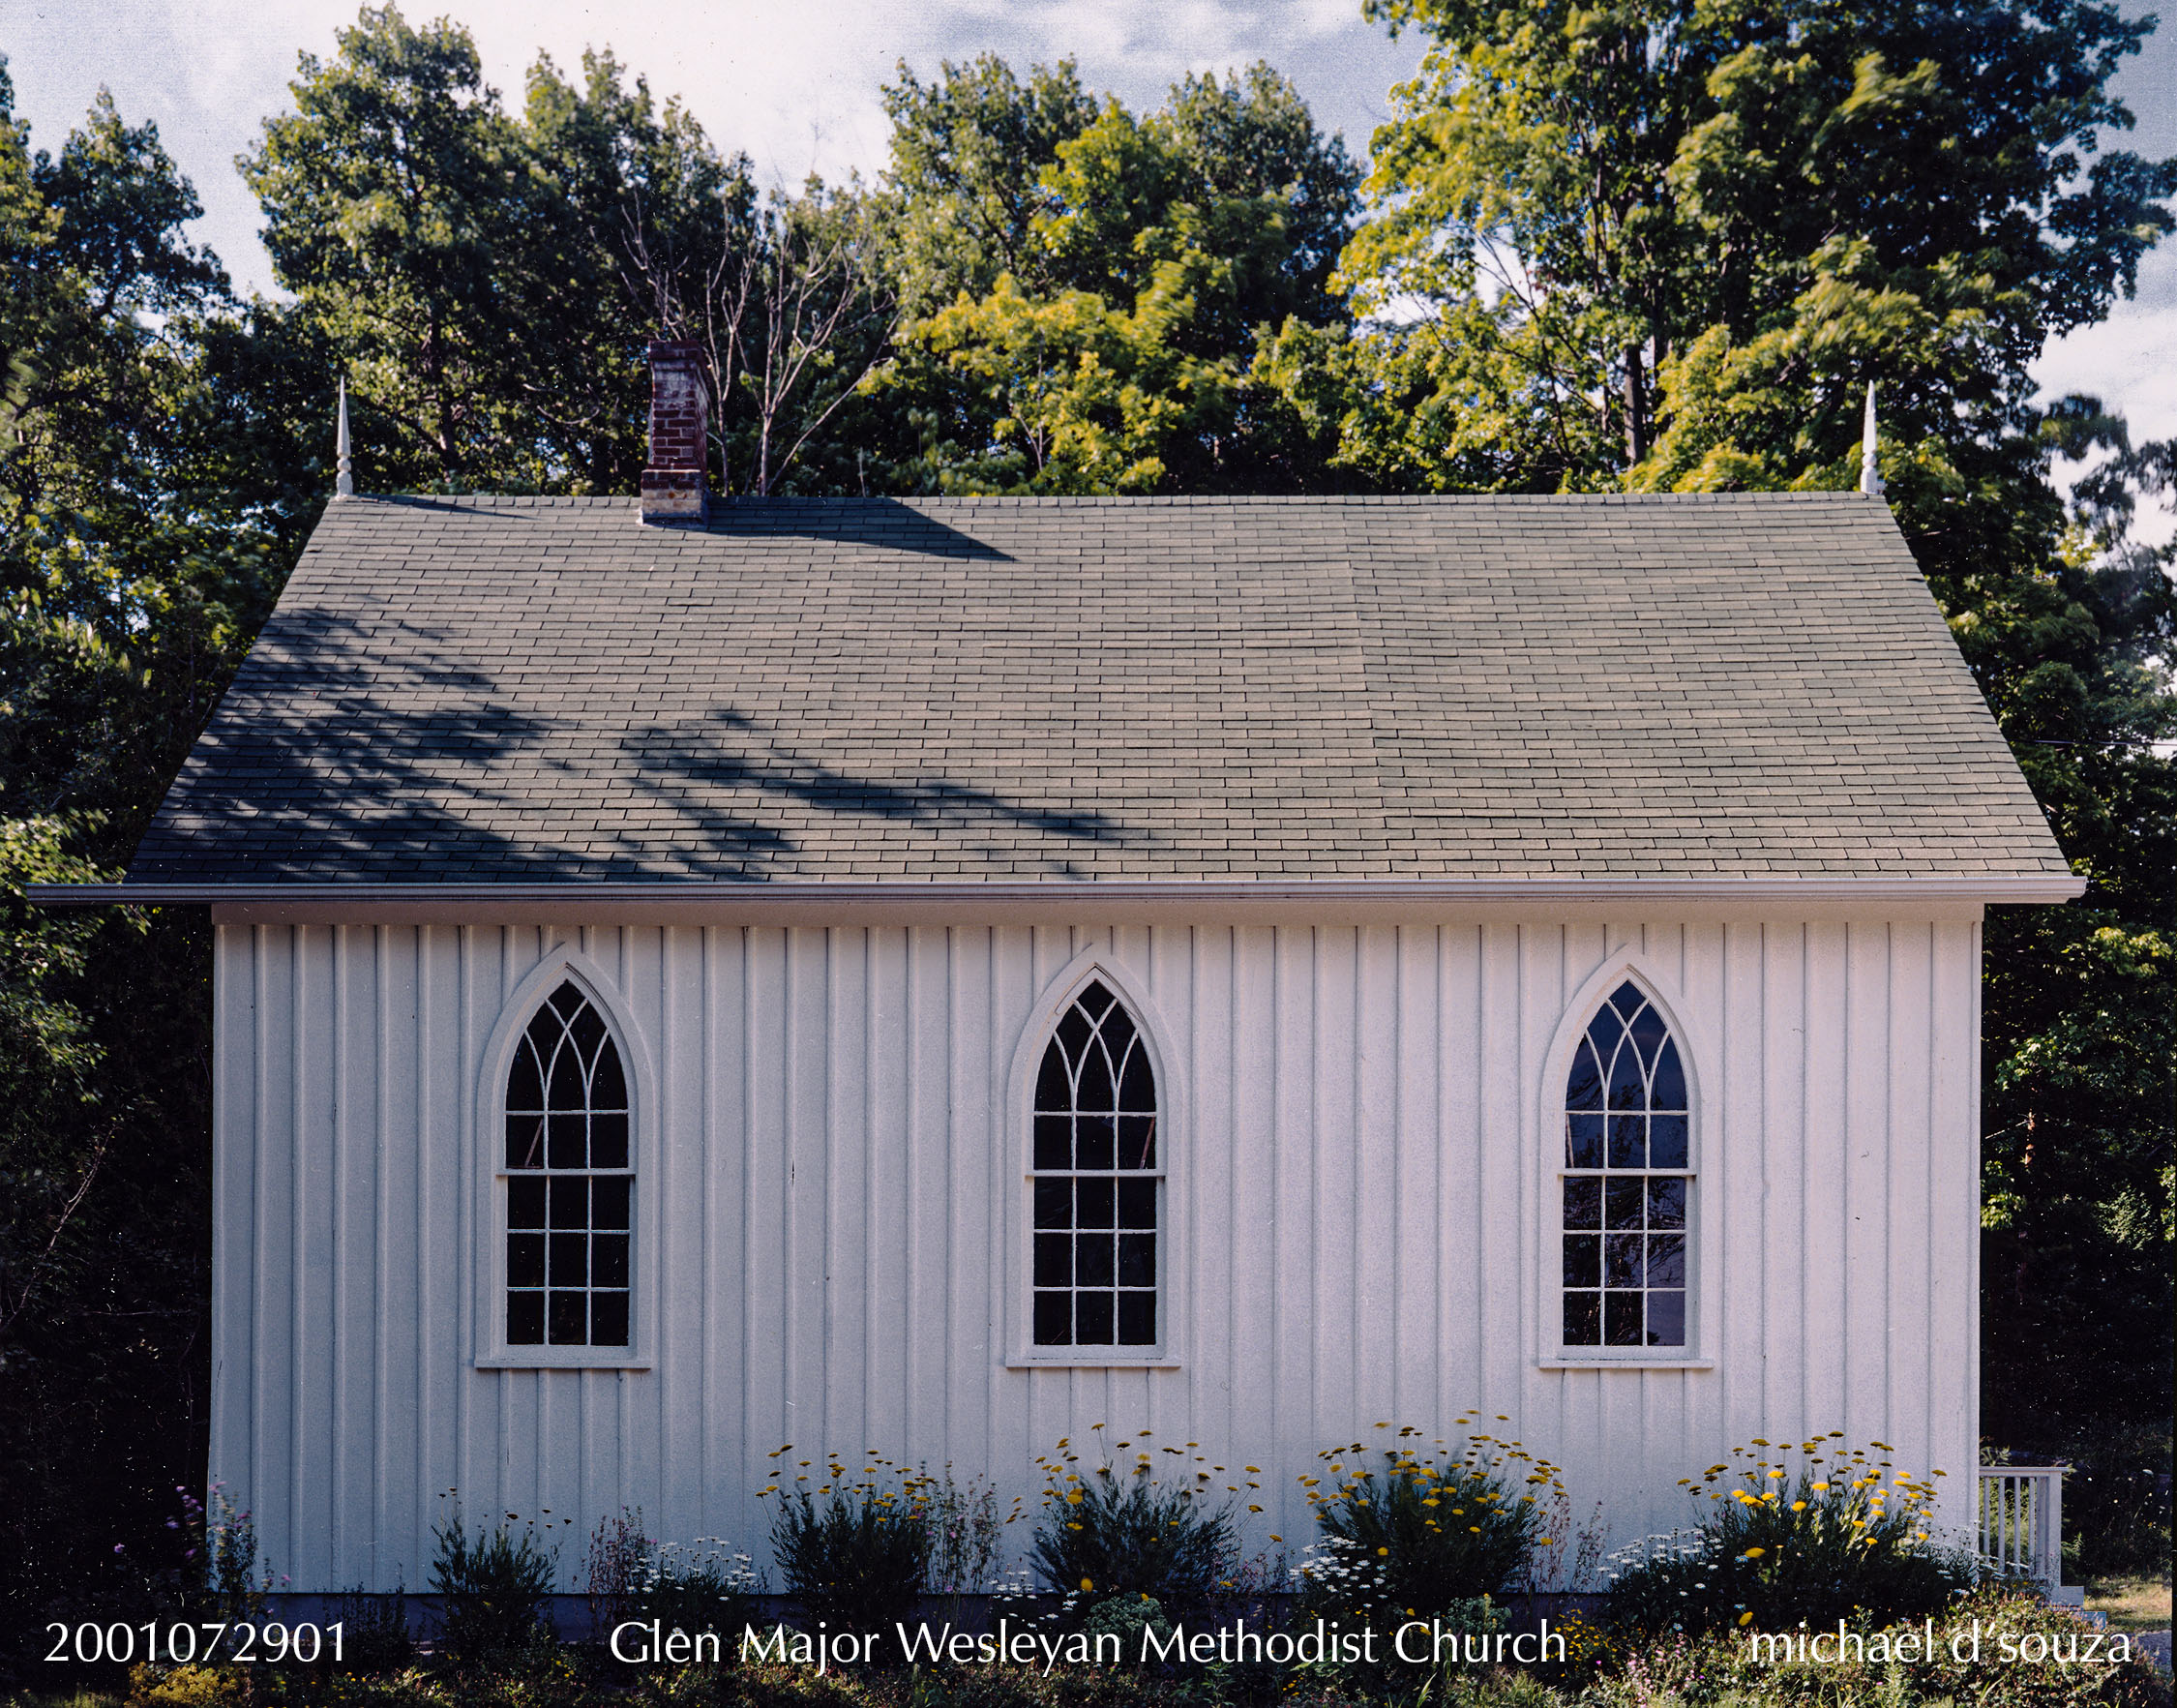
(1354, 1213)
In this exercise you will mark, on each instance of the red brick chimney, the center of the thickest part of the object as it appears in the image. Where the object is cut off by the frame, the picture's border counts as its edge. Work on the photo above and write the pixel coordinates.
(674, 488)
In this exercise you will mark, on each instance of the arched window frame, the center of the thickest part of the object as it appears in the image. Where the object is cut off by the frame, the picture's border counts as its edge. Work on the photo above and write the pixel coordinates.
(1704, 1215)
(1096, 964)
(488, 1313)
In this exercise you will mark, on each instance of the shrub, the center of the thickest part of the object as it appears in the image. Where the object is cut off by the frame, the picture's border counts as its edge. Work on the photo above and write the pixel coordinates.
(1838, 1535)
(853, 1552)
(1105, 1532)
(492, 1589)
(1424, 1530)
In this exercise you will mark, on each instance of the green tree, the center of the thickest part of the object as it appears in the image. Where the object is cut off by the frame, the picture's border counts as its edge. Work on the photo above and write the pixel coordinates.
(1666, 244)
(1112, 348)
(132, 577)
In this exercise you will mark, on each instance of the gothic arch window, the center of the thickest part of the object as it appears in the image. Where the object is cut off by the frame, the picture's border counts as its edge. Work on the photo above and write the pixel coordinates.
(1628, 1180)
(1096, 1180)
(569, 1179)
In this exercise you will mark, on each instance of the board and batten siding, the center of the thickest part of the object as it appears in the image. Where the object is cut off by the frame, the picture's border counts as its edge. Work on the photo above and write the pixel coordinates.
(1360, 1157)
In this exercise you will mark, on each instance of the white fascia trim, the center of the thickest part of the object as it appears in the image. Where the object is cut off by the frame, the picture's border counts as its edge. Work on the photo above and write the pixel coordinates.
(1187, 892)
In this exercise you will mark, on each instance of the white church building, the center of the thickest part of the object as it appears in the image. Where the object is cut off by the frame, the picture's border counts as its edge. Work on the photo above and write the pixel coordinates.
(930, 976)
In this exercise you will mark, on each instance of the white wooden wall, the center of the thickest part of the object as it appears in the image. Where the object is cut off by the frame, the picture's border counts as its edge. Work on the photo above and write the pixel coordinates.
(1359, 1199)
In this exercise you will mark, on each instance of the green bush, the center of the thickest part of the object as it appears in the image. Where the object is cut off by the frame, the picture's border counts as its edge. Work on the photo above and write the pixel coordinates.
(1811, 1533)
(1105, 1532)
(1422, 1530)
(697, 1589)
(853, 1552)
(492, 1589)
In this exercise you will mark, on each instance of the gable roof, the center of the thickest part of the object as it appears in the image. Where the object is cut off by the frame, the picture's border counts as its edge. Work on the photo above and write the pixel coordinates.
(465, 690)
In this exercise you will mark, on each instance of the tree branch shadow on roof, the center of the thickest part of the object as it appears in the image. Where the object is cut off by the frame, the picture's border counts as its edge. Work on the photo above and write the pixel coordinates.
(337, 756)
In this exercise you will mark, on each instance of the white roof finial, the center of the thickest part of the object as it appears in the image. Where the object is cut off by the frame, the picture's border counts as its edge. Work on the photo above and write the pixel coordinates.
(1870, 478)
(343, 482)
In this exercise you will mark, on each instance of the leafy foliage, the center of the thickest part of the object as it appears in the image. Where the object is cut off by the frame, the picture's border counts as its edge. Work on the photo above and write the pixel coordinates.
(491, 1588)
(1431, 1526)
(1106, 1533)
(853, 1552)
(1809, 1535)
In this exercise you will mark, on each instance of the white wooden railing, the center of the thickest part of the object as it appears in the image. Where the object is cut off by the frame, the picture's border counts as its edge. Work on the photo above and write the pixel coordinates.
(2022, 1520)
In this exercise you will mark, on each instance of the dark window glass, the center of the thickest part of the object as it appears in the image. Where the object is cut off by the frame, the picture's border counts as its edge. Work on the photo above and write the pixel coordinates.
(1094, 1159)
(569, 1213)
(1626, 1287)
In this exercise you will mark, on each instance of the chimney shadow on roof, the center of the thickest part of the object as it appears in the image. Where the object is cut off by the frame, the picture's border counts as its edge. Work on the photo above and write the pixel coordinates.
(887, 524)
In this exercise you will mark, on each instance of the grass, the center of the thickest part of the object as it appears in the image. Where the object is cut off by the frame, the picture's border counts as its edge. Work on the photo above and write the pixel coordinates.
(2133, 1603)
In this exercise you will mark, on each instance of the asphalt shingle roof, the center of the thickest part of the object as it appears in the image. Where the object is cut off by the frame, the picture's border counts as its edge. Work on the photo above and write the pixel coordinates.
(464, 689)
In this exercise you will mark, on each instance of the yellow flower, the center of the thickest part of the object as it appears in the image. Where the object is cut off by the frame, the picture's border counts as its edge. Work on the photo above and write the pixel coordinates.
(1747, 1618)
(1086, 1585)
(1383, 1550)
(1754, 1553)
(1799, 1506)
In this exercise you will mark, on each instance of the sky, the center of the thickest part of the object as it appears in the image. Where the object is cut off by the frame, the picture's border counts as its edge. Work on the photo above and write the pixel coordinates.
(797, 87)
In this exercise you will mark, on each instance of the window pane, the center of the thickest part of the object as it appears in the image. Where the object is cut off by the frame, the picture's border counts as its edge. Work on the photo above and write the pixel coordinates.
(1094, 1146)
(1667, 1204)
(1628, 1141)
(1583, 1141)
(1666, 1319)
(526, 1204)
(1604, 1031)
(1054, 1204)
(1094, 1088)
(1137, 1203)
(1584, 1088)
(1628, 1000)
(567, 1144)
(1096, 999)
(1054, 1141)
(1092, 1204)
(1137, 1319)
(1622, 1201)
(565, 1091)
(1628, 1083)
(524, 1260)
(607, 1258)
(1054, 1092)
(524, 1084)
(608, 1085)
(568, 1315)
(570, 1260)
(1137, 1087)
(524, 1141)
(1666, 1141)
(587, 1032)
(1136, 1260)
(1666, 1260)
(570, 1203)
(525, 1319)
(1054, 1260)
(1621, 1260)
(608, 1319)
(1093, 1319)
(1582, 1319)
(1646, 1032)
(1075, 1029)
(1583, 1260)
(608, 1202)
(1054, 1319)
(608, 1141)
(1094, 1260)
(1583, 1202)
(1137, 1141)
(1670, 1080)
(1621, 1319)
